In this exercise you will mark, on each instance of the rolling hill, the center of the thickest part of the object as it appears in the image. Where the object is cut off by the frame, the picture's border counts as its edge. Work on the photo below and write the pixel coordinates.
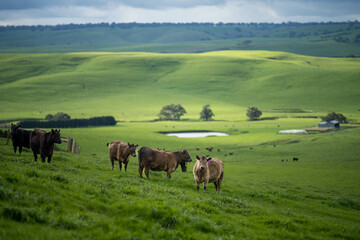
(134, 86)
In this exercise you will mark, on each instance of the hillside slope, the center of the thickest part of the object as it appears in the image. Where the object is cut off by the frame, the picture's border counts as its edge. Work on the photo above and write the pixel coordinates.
(134, 86)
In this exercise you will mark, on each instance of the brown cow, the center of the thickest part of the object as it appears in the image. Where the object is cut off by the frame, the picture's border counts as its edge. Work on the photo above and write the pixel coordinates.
(208, 170)
(42, 143)
(20, 137)
(157, 160)
(121, 151)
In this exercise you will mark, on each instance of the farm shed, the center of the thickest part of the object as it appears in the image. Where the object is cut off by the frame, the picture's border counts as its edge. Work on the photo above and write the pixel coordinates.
(293, 131)
(333, 124)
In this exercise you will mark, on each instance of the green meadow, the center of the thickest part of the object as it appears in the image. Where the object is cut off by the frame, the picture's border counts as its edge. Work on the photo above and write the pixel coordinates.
(265, 194)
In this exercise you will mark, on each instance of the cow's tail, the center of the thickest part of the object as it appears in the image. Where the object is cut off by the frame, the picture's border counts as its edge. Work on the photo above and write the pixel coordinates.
(140, 156)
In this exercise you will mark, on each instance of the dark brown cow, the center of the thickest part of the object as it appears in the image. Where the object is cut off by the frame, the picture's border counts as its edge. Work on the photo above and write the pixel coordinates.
(208, 170)
(20, 137)
(42, 143)
(158, 160)
(121, 151)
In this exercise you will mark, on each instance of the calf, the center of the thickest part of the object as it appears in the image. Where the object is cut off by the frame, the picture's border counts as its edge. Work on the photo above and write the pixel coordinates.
(121, 151)
(161, 161)
(20, 137)
(42, 143)
(208, 170)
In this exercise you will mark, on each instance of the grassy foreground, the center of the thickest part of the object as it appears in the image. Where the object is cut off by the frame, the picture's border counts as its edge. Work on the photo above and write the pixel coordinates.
(79, 197)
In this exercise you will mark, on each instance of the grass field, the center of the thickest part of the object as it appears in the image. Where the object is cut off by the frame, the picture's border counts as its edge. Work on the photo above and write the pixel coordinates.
(78, 196)
(262, 197)
(134, 86)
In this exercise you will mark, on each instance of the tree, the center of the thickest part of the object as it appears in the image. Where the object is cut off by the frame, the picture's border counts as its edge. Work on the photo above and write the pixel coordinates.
(171, 112)
(49, 117)
(335, 116)
(61, 116)
(206, 114)
(253, 113)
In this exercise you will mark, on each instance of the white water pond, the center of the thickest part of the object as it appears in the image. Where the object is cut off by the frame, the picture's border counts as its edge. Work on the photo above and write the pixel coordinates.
(197, 134)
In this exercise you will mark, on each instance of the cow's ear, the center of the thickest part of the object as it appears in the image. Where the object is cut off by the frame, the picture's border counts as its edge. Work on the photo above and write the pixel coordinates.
(129, 144)
(197, 157)
(208, 159)
(12, 124)
(52, 130)
(184, 151)
(136, 146)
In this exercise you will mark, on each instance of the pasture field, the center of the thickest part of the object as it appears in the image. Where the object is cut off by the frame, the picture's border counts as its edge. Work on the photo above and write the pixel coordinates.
(80, 197)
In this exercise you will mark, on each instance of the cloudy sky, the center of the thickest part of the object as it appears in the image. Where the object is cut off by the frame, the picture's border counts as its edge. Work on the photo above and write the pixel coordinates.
(52, 12)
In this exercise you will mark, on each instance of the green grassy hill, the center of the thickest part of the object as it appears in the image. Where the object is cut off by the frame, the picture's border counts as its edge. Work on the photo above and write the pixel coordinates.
(134, 86)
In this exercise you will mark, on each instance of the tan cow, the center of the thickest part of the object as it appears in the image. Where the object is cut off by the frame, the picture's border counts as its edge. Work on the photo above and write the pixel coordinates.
(158, 160)
(121, 151)
(208, 170)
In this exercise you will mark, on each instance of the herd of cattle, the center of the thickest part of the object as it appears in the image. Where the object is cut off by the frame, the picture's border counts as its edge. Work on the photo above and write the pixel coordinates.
(206, 170)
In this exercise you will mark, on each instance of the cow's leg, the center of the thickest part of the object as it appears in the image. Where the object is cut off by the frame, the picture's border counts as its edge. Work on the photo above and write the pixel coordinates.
(35, 156)
(141, 167)
(147, 170)
(198, 185)
(216, 185)
(20, 149)
(205, 185)
(49, 158)
(15, 147)
(219, 181)
(120, 165)
(126, 166)
(42, 158)
(168, 174)
(112, 163)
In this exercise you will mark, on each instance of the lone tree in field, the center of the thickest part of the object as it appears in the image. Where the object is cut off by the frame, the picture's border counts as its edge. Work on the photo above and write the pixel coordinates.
(206, 114)
(171, 112)
(335, 116)
(253, 113)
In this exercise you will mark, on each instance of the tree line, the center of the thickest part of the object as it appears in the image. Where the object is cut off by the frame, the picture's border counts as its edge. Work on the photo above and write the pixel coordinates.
(260, 26)
(70, 123)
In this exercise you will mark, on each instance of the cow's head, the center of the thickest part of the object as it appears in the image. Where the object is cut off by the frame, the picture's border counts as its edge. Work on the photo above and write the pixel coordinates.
(15, 129)
(203, 162)
(133, 148)
(185, 156)
(55, 136)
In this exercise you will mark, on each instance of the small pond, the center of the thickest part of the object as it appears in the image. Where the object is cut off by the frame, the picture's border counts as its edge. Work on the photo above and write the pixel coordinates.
(197, 134)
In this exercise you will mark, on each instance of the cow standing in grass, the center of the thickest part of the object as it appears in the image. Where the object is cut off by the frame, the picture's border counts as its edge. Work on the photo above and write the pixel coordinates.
(157, 160)
(208, 170)
(20, 137)
(42, 143)
(121, 151)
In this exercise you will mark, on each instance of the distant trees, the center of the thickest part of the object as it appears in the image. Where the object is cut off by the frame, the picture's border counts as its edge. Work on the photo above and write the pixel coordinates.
(253, 113)
(335, 116)
(206, 114)
(171, 112)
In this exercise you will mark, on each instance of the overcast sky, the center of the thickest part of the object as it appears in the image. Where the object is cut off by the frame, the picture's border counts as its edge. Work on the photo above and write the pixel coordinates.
(52, 12)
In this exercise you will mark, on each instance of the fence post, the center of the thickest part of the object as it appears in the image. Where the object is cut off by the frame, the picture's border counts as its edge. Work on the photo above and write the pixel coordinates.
(69, 144)
(8, 137)
(74, 147)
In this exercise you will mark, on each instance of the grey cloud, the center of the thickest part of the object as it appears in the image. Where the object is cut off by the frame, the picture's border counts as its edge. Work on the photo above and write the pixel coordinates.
(149, 4)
